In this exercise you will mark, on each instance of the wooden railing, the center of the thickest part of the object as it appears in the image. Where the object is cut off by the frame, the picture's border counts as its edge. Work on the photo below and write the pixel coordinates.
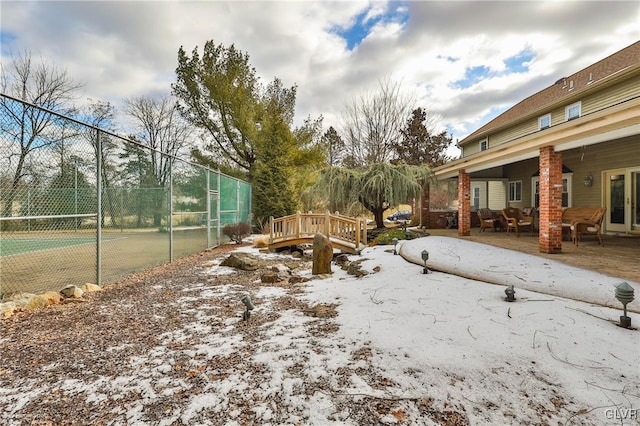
(346, 232)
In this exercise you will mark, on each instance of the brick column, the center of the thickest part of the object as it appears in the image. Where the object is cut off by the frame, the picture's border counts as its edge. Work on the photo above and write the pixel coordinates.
(550, 239)
(464, 206)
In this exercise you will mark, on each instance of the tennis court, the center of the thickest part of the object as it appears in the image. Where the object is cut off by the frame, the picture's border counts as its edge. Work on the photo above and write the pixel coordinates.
(13, 246)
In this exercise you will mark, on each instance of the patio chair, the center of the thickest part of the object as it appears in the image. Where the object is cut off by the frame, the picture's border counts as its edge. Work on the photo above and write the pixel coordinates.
(516, 221)
(487, 219)
(591, 226)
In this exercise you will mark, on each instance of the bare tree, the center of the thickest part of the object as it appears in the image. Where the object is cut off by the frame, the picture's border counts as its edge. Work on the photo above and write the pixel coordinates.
(28, 128)
(158, 125)
(372, 124)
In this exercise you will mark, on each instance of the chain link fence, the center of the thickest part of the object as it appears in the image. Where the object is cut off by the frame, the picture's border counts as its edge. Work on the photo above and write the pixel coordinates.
(82, 205)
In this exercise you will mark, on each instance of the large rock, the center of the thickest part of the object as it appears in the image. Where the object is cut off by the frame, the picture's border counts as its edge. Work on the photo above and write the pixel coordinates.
(7, 309)
(270, 277)
(322, 254)
(244, 261)
(72, 291)
(89, 287)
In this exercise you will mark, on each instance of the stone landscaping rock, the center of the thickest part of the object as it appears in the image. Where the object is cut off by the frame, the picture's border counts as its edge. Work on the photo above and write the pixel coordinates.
(297, 279)
(322, 254)
(270, 277)
(7, 309)
(243, 261)
(341, 259)
(71, 291)
(322, 311)
(52, 297)
(281, 269)
(88, 287)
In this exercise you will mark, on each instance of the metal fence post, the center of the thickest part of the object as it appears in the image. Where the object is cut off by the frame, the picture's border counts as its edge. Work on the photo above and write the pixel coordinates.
(99, 208)
(219, 230)
(170, 209)
(208, 172)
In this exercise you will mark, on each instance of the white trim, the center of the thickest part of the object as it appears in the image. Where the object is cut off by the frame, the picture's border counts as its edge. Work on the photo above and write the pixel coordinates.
(568, 177)
(542, 117)
(568, 108)
(514, 200)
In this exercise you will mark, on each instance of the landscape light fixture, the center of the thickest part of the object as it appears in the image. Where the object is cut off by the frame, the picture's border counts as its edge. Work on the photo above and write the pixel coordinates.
(425, 257)
(511, 293)
(246, 299)
(624, 293)
(395, 243)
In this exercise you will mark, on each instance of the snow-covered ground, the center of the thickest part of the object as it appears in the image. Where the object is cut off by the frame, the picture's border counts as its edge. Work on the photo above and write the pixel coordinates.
(405, 348)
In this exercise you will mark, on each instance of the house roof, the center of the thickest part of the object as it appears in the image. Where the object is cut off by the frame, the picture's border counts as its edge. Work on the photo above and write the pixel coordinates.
(582, 81)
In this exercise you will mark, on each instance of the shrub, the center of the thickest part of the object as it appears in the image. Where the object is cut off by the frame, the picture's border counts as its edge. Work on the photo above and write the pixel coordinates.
(386, 237)
(237, 231)
(261, 241)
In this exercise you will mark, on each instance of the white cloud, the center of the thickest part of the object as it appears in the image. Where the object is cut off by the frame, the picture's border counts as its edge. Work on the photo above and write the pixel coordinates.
(123, 49)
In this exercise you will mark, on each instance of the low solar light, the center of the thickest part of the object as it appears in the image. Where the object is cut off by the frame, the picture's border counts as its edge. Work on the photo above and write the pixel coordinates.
(624, 293)
(246, 299)
(395, 243)
(511, 293)
(425, 257)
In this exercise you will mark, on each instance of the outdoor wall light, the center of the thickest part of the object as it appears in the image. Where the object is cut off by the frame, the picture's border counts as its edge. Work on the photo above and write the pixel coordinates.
(588, 180)
(511, 293)
(395, 243)
(425, 257)
(247, 303)
(624, 293)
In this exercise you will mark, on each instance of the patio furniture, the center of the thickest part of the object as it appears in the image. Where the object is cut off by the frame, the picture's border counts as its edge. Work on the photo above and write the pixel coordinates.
(534, 214)
(487, 219)
(516, 221)
(571, 214)
(591, 226)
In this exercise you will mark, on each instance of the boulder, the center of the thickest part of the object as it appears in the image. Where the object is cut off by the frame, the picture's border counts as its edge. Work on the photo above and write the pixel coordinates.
(281, 268)
(243, 261)
(71, 291)
(270, 277)
(7, 309)
(322, 254)
(355, 269)
(88, 287)
(341, 259)
(296, 279)
(52, 297)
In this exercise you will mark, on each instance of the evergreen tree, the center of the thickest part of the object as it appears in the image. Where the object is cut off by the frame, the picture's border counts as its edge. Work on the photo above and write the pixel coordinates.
(334, 145)
(418, 145)
(272, 192)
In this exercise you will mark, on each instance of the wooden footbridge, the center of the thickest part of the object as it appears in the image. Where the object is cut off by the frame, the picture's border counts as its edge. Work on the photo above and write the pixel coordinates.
(346, 233)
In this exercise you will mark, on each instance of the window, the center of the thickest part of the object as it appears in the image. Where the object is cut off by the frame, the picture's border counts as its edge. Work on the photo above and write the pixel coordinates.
(544, 122)
(476, 198)
(566, 190)
(484, 144)
(573, 111)
(515, 190)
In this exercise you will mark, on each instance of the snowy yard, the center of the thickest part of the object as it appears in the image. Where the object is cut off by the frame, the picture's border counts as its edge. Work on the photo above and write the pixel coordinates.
(404, 348)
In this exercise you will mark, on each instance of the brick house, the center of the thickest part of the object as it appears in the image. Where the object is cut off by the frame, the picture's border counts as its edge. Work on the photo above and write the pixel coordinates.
(575, 143)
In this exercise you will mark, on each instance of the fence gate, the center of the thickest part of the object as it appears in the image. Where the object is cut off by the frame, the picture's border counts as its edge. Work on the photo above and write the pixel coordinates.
(213, 225)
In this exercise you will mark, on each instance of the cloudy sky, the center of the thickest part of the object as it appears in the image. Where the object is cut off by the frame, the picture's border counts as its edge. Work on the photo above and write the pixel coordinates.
(464, 61)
